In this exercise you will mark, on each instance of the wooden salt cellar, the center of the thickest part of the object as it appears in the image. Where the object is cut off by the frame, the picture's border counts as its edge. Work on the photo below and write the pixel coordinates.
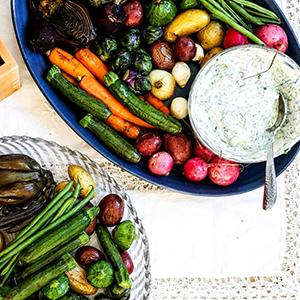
(9, 73)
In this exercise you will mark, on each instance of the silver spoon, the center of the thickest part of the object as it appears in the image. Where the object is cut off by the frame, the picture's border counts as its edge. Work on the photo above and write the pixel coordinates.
(270, 190)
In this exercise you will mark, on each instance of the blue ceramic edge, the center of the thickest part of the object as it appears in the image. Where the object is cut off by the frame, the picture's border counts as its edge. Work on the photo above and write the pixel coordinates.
(176, 186)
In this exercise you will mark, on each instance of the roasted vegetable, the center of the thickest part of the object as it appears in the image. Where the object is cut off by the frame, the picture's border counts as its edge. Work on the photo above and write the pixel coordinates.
(161, 12)
(142, 61)
(70, 20)
(152, 34)
(79, 283)
(182, 74)
(116, 292)
(111, 18)
(184, 48)
(131, 39)
(162, 55)
(211, 36)
(124, 234)
(210, 54)
(134, 13)
(138, 82)
(87, 255)
(187, 4)
(148, 144)
(122, 61)
(26, 186)
(100, 274)
(106, 47)
(57, 288)
(127, 260)
(179, 108)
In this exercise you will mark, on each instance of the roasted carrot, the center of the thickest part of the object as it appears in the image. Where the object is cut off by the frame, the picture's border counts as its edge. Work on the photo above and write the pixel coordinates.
(151, 99)
(126, 128)
(92, 62)
(70, 78)
(94, 88)
(68, 63)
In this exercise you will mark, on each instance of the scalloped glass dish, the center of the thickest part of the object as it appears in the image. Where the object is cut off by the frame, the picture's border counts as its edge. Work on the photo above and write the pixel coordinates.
(56, 158)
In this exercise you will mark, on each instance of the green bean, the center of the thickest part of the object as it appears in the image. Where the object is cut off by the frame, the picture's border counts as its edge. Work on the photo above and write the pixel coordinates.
(224, 18)
(38, 225)
(67, 205)
(9, 265)
(51, 226)
(7, 275)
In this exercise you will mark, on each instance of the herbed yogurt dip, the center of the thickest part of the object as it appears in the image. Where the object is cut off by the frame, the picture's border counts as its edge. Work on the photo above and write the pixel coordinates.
(234, 99)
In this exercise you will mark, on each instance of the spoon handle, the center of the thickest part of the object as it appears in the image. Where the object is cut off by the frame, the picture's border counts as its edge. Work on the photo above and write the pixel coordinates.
(270, 190)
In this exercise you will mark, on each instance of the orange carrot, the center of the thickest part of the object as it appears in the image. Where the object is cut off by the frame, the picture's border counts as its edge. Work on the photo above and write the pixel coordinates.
(126, 128)
(70, 78)
(68, 63)
(92, 62)
(151, 99)
(94, 88)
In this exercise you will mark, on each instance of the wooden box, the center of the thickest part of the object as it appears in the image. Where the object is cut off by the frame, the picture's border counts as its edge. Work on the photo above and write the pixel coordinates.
(9, 73)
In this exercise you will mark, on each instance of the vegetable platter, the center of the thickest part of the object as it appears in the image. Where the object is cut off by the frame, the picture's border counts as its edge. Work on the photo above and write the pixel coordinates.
(85, 241)
(120, 72)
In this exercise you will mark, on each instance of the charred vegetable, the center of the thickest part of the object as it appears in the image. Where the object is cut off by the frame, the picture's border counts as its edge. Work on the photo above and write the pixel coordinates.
(111, 18)
(124, 234)
(70, 20)
(152, 34)
(131, 39)
(57, 288)
(106, 48)
(100, 274)
(134, 13)
(161, 12)
(138, 82)
(24, 189)
(142, 61)
(122, 62)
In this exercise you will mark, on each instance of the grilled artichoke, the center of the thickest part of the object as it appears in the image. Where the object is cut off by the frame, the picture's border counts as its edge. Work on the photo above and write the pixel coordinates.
(24, 188)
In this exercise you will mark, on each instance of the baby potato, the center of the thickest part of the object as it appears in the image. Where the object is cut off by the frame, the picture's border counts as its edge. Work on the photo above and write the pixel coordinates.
(209, 55)
(60, 186)
(211, 36)
(78, 174)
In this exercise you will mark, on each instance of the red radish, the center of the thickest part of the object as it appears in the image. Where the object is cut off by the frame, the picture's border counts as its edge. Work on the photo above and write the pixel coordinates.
(127, 261)
(234, 38)
(195, 169)
(148, 144)
(273, 36)
(161, 163)
(223, 172)
(203, 152)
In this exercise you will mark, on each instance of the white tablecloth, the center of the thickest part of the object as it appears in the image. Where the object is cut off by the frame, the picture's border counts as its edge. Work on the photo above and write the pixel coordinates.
(189, 236)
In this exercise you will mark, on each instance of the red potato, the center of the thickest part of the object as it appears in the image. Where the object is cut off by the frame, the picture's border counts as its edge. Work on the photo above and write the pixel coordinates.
(223, 172)
(127, 261)
(134, 13)
(234, 38)
(184, 48)
(111, 210)
(162, 55)
(178, 146)
(148, 144)
(86, 255)
(273, 36)
(161, 163)
(203, 152)
(195, 169)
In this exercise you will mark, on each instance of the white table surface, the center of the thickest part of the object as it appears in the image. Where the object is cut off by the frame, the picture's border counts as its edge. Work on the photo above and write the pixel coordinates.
(189, 236)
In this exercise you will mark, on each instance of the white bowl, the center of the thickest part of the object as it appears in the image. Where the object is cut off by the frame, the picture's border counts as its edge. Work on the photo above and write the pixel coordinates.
(231, 109)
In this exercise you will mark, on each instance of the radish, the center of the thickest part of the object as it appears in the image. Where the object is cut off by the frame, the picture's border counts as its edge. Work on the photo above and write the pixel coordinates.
(203, 152)
(273, 36)
(234, 38)
(223, 172)
(161, 163)
(195, 169)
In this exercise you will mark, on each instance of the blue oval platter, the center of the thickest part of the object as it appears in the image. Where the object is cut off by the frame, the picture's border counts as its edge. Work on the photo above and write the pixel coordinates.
(252, 176)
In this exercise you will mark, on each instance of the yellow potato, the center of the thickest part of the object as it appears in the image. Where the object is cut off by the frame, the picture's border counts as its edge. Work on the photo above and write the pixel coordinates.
(78, 174)
(210, 55)
(211, 36)
(60, 186)
(186, 23)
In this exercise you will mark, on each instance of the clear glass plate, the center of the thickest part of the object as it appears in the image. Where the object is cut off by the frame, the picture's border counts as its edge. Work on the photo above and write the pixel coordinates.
(56, 158)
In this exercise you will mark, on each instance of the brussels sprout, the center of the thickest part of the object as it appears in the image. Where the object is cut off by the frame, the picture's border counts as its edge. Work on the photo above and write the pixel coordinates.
(122, 61)
(131, 39)
(100, 274)
(106, 47)
(124, 234)
(142, 61)
(187, 4)
(152, 33)
(57, 288)
(138, 82)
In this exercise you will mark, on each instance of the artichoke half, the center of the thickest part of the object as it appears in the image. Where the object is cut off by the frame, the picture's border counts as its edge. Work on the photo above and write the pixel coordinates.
(24, 188)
